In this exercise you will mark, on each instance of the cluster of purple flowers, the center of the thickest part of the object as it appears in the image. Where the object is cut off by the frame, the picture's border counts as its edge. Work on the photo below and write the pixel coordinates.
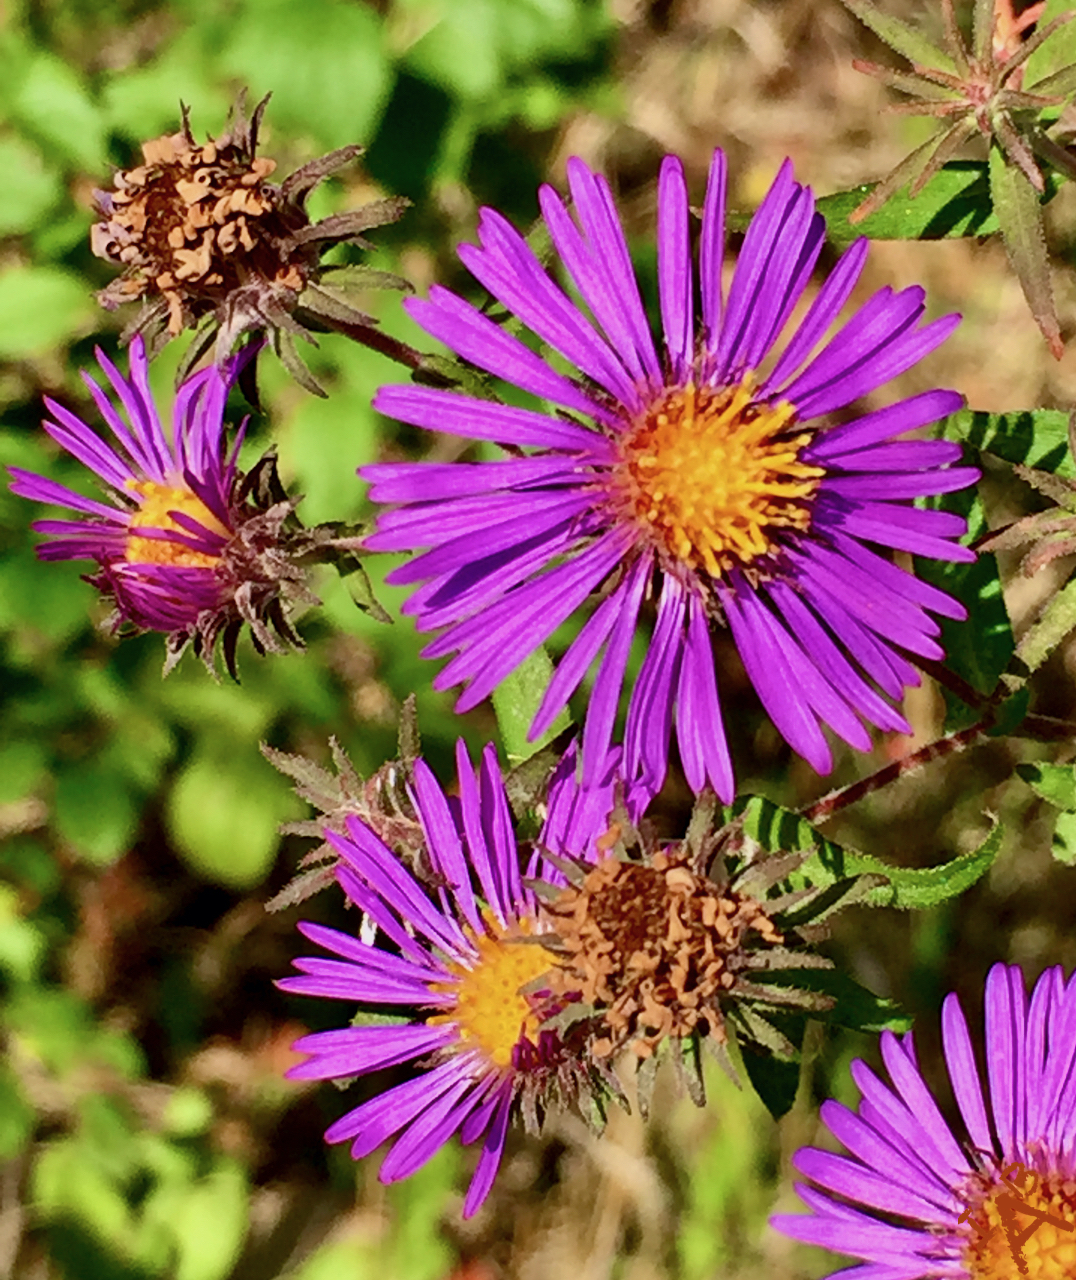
(720, 475)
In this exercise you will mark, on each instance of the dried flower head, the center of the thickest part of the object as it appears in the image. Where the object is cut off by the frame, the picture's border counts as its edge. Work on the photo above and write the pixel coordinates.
(656, 947)
(201, 233)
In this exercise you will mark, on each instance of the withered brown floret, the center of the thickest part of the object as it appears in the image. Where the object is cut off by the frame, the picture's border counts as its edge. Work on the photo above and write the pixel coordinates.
(654, 946)
(203, 237)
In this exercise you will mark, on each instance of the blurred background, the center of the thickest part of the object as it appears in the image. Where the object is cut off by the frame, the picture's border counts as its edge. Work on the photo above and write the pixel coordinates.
(145, 1127)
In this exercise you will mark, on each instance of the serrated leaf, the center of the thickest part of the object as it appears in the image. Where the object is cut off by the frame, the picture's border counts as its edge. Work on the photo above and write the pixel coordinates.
(824, 902)
(907, 888)
(1019, 215)
(1055, 622)
(906, 40)
(1055, 783)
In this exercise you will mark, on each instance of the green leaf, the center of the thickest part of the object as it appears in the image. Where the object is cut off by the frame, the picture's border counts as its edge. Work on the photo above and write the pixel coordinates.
(210, 1224)
(53, 105)
(30, 189)
(22, 766)
(908, 888)
(1055, 622)
(1063, 843)
(853, 1006)
(323, 61)
(906, 40)
(1019, 215)
(1059, 51)
(95, 813)
(979, 648)
(1053, 782)
(223, 813)
(955, 202)
(1034, 437)
(516, 701)
(41, 308)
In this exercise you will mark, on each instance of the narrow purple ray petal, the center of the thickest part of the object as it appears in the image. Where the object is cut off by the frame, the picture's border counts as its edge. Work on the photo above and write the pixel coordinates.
(427, 1133)
(497, 827)
(712, 250)
(674, 268)
(490, 1159)
(700, 731)
(443, 841)
(359, 1050)
(486, 868)
(598, 728)
(597, 213)
(515, 277)
(483, 420)
(478, 339)
(439, 481)
(881, 425)
(650, 710)
(821, 314)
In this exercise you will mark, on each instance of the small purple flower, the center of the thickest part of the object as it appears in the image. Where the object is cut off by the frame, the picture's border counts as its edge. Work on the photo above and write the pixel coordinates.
(913, 1199)
(708, 477)
(184, 543)
(461, 957)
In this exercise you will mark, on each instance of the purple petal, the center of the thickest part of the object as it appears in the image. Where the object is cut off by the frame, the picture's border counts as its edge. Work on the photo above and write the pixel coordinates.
(674, 268)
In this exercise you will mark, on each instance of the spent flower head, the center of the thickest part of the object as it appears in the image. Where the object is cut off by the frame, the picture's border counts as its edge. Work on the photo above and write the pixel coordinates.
(979, 90)
(205, 239)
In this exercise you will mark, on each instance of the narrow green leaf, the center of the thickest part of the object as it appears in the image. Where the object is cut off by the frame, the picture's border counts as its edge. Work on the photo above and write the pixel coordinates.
(907, 888)
(1019, 215)
(516, 701)
(854, 1007)
(898, 35)
(1055, 783)
(1052, 626)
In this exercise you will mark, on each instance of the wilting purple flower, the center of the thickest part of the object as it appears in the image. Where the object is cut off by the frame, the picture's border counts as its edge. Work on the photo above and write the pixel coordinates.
(457, 956)
(916, 1200)
(185, 543)
(706, 477)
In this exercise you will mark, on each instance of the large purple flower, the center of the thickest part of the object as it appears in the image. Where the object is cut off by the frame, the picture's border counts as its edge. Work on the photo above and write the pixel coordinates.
(184, 544)
(709, 476)
(462, 959)
(913, 1199)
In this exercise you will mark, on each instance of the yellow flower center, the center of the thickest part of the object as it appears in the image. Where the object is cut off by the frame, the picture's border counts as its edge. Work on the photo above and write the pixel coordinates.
(1023, 1224)
(712, 475)
(159, 501)
(491, 1011)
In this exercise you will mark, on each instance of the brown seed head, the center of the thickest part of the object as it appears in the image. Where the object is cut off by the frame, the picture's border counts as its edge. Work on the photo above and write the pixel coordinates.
(199, 230)
(655, 947)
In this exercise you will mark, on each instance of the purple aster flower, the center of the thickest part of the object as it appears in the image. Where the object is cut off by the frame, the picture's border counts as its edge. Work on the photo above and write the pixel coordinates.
(997, 1198)
(707, 475)
(185, 544)
(461, 954)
